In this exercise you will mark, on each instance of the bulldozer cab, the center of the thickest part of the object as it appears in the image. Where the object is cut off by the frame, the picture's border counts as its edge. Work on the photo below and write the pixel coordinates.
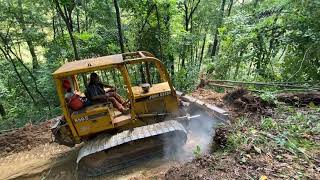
(141, 79)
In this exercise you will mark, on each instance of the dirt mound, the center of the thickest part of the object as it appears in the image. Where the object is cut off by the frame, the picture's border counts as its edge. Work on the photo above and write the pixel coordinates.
(24, 138)
(234, 95)
(237, 101)
(220, 138)
(300, 99)
(241, 100)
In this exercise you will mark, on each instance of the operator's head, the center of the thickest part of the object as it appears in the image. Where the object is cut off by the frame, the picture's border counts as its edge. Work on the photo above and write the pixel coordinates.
(94, 78)
(66, 84)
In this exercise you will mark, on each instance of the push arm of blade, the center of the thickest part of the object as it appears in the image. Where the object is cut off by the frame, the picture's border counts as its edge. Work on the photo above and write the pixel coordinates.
(189, 117)
(194, 116)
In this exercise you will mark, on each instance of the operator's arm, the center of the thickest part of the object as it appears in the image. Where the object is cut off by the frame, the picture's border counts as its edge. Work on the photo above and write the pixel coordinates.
(108, 88)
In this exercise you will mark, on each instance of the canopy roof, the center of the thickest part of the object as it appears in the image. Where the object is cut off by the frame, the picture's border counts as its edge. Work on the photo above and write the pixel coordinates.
(86, 65)
(92, 64)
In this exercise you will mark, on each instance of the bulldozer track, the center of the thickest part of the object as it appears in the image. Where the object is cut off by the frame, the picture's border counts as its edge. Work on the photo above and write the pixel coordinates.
(156, 136)
(123, 163)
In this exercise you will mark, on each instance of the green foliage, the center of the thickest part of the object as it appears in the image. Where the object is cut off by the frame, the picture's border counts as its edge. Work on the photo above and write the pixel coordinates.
(197, 151)
(268, 123)
(268, 97)
(99, 43)
(274, 41)
(19, 107)
(186, 80)
(237, 138)
(290, 130)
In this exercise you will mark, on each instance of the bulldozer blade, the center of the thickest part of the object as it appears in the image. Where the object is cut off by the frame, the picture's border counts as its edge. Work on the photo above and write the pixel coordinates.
(111, 153)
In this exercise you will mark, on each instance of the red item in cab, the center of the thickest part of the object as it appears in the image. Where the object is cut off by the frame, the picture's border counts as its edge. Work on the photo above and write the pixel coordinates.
(76, 102)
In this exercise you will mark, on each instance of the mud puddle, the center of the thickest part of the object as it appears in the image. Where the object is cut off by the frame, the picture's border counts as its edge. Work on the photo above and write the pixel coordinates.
(52, 161)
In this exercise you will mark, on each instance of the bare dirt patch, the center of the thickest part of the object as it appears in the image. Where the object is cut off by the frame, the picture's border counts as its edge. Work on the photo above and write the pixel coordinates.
(209, 96)
(36, 162)
(25, 138)
(237, 166)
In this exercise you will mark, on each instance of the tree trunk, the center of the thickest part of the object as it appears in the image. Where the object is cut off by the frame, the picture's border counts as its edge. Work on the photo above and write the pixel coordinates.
(54, 26)
(215, 48)
(86, 21)
(202, 49)
(238, 64)
(142, 75)
(260, 55)
(116, 6)
(186, 20)
(256, 3)
(78, 22)
(2, 110)
(67, 18)
(215, 44)
(74, 44)
(230, 7)
(35, 63)
(60, 23)
(159, 32)
(183, 59)
(188, 13)
(20, 19)
(167, 29)
(171, 59)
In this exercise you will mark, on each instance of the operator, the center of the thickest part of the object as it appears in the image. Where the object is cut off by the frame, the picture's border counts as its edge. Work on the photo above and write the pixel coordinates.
(97, 93)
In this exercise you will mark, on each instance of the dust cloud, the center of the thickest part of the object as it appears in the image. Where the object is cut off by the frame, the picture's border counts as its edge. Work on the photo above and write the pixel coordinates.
(200, 133)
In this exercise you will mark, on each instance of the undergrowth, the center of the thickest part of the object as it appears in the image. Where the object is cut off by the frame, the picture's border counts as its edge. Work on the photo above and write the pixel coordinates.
(292, 129)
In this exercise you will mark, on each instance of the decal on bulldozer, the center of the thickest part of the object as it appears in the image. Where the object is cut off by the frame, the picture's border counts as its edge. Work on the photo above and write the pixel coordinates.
(154, 96)
(160, 95)
(82, 119)
(90, 117)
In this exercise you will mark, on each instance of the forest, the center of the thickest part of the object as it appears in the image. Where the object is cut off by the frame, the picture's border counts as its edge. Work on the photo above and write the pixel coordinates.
(239, 40)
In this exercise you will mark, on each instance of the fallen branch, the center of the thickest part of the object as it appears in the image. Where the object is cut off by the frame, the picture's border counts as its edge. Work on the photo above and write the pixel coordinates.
(304, 58)
(233, 87)
(277, 84)
(260, 91)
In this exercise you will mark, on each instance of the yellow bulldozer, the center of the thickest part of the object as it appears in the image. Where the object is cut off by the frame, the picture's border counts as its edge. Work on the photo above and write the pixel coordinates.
(111, 139)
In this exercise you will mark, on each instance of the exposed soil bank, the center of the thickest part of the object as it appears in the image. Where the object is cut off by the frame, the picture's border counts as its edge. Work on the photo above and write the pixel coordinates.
(25, 138)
